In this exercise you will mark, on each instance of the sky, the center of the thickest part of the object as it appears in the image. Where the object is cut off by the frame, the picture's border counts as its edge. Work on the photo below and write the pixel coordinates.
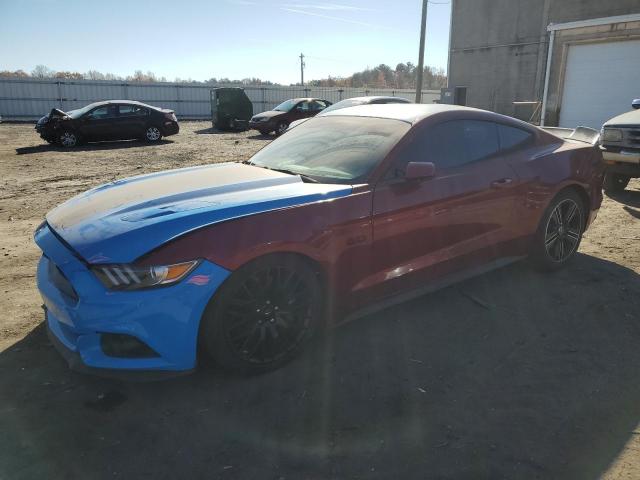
(237, 39)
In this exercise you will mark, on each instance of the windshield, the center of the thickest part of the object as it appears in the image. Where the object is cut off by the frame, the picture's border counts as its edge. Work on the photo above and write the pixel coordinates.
(286, 106)
(333, 149)
(80, 111)
(349, 102)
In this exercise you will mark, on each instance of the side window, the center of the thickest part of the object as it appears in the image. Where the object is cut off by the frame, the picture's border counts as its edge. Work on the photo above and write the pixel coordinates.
(140, 111)
(511, 136)
(100, 113)
(303, 106)
(450, 144)
(126, 110)
(318, 105)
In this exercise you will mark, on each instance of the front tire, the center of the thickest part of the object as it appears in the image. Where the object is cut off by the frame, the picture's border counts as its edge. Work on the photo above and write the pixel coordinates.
(615, 182)
(152, 134)
(68, 139)
(560, 231)
(281, 128)
(263, 315)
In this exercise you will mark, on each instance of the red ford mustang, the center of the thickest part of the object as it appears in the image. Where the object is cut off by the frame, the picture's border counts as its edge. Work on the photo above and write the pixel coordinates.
(349, 211)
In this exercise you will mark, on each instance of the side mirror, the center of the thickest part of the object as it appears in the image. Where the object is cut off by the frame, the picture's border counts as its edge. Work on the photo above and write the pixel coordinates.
(636, 103)
(417, 170)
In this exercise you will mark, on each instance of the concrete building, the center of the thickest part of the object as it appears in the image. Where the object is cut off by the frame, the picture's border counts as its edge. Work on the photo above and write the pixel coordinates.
(566, 62)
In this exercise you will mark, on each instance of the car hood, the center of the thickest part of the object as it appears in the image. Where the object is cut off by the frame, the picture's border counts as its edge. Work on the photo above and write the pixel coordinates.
(120, 221)
(270, 114)
(631, 118)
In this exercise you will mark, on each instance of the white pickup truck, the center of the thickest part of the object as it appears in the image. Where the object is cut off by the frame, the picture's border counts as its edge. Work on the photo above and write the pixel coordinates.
(620, 145)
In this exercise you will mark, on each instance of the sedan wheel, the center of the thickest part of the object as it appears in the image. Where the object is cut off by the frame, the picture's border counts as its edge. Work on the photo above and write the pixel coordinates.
(561, 231)
(281, 128)
(263, 315)
(153, 134)
(68, 139)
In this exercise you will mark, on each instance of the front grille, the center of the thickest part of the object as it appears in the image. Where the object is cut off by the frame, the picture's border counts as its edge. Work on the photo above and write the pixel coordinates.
(631, 137)
(60, 282)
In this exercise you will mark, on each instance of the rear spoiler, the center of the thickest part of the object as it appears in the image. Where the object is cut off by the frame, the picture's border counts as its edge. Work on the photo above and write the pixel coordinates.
(580, 134)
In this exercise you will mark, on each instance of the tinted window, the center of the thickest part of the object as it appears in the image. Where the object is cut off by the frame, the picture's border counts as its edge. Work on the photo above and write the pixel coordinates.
(107, 111)
(450, 144)
(126, 110)
(132, 111)
(317, 105)
(511, 136)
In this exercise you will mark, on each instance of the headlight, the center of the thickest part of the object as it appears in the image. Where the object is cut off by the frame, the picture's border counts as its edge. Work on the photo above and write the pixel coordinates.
(129, 277)
(611, 135)
(260, 119)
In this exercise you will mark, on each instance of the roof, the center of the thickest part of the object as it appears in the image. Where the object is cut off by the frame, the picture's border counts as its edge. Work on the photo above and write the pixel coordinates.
(406, 112)
(121, 102)
(377, 97)
(131, 102)
(300, 99)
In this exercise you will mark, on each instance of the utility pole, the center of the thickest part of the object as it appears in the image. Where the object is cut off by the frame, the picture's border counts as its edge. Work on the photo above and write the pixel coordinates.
(302, 64)
(423, 28)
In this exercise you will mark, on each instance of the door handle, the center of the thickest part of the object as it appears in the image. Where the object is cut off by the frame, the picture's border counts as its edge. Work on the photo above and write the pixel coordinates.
(503, 182)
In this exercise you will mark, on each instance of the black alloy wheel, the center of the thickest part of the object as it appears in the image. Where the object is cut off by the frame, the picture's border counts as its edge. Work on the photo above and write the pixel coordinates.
(560, 231)
(263, 315)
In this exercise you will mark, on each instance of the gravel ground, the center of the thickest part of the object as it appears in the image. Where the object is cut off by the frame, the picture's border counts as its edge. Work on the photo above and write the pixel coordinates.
(514, 374)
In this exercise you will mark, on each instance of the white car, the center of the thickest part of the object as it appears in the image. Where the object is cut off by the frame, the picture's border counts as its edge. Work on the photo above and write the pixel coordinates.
(352, 102)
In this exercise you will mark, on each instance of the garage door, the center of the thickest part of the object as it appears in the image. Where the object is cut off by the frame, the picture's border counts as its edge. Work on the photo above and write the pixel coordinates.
(600, 82)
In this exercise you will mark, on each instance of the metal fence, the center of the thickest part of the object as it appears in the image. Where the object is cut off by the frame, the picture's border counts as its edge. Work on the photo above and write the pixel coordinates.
(266, 98)
(29, 99)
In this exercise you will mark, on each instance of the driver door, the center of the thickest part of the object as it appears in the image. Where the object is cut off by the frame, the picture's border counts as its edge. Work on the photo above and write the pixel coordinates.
(301, 110)
(99, 123)
(426, 229)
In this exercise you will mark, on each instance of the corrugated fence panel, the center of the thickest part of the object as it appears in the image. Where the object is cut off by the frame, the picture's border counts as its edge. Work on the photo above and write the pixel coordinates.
(266, 98)
(29, 99)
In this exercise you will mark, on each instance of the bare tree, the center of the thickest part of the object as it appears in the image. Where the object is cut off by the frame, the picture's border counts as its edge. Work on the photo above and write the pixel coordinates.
(42, 71)
(94, 75)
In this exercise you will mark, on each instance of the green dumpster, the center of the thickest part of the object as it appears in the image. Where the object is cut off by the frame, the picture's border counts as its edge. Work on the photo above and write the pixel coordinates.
(231, 109)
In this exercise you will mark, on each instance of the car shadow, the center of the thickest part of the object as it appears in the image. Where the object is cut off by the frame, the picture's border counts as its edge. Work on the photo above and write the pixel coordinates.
(260, 136)
(627, 197)
(212, 131)
(514, 374)
(112, 145)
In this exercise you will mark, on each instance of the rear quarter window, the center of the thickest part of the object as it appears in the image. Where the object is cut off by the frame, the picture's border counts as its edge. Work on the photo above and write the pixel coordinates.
(512, 137)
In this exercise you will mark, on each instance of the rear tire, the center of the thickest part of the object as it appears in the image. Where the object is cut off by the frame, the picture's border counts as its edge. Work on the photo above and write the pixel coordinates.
(560, 231)
(263, 315)
(152, 134)
(615, 182)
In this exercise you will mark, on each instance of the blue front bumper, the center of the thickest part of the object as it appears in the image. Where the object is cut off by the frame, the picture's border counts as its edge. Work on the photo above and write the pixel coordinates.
(166, 319)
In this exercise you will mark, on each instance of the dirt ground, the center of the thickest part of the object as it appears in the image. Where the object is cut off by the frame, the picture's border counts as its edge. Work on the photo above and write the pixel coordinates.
(515, 374)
